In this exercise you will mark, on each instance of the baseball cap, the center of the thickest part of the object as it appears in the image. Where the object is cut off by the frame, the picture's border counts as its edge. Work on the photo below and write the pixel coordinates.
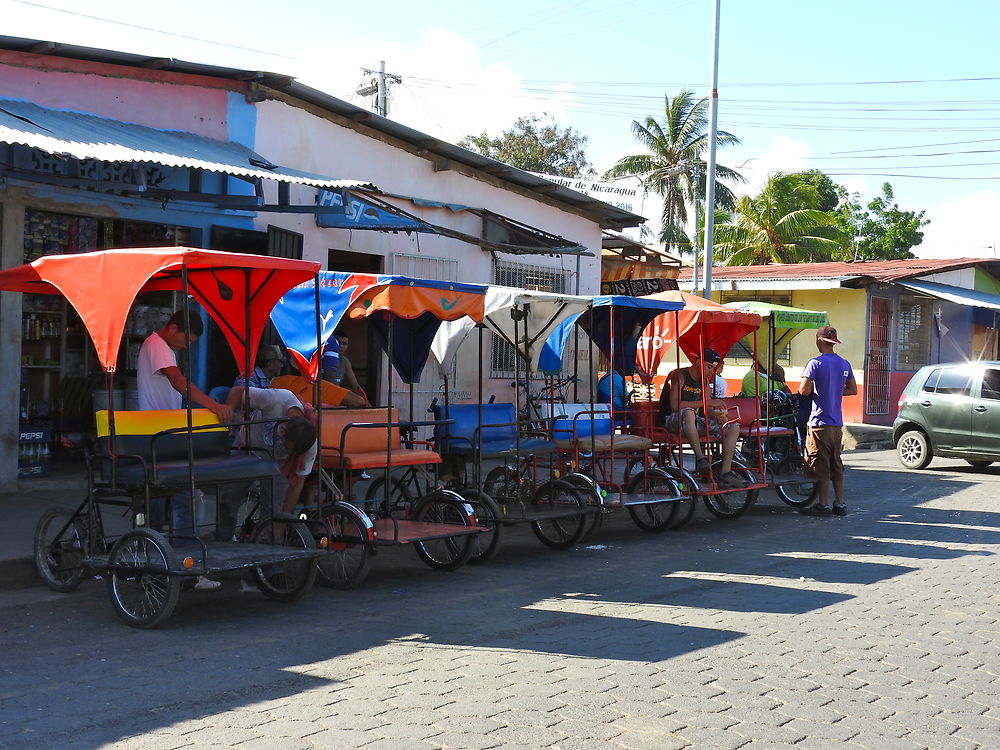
(711, 356)
(271, 351)
(828, 334)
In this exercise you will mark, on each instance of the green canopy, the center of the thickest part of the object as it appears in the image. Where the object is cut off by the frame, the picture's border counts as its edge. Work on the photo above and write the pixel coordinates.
(781, 325)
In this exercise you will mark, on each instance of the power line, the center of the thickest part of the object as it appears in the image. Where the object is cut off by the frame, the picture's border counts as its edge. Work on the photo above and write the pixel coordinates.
(150, 28)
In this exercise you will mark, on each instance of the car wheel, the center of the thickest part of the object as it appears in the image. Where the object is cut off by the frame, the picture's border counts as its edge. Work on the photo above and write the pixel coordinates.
(914, 450)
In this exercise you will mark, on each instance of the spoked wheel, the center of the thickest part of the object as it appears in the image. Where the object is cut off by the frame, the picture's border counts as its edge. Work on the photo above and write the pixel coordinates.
(484, 545)
(346, 563)
(139, 582)
(399, 496)
(501, 484)
(733, 503)
(287, 580)
(796, 494)
(563, 531)
(653, 517)
(447, 553)
(593, 495)
(60, 543)
(914, 450)
(248, 515)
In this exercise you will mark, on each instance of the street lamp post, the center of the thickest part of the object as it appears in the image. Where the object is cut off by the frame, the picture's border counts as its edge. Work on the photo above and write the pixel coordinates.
(713, 117)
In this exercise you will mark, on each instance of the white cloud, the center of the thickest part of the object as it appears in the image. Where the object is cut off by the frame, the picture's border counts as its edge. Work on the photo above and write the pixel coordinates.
(446, 90)
(783, 155)
(962, 228)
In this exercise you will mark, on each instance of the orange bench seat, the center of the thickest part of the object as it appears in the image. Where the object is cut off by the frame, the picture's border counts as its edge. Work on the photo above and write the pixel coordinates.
(348, 442)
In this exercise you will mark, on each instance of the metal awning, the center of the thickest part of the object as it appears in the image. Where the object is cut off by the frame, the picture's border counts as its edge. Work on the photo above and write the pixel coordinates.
(958, 295)
(86, 136)
(358, 209)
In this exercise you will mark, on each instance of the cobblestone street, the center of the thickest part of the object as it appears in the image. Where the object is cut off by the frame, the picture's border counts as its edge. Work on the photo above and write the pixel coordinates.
(878, 630)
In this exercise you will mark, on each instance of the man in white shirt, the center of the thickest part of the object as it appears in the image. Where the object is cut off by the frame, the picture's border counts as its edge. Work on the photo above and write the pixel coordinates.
(163, 386)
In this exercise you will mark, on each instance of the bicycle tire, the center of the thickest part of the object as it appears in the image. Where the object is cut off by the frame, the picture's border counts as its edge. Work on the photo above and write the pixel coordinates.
(59, 551)
(653, 517)
(146, 597)
(564, 531)
(486, 544)
(287, 580)
(732, 504)
(348, 558)
(448, 553)
(796, 494)
(399, 494)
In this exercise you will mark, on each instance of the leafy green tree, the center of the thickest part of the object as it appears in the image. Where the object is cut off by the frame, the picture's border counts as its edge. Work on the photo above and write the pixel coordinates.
(536, 144)
(828, 190)
(782, 224)
(880, 230)
(673, 166)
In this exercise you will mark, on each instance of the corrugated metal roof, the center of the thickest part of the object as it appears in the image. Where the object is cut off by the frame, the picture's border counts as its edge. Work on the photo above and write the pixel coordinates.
(881, 270)
(607, 215)
(90, 137)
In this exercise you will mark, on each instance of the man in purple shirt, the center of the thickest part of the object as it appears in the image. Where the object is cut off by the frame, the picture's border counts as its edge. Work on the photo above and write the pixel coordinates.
(827, 379)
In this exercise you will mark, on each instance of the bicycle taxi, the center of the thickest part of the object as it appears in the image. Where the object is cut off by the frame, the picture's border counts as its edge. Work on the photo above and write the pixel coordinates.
(595, 439)
(404, 314)
(522, 484)
(145, 457)
(782, 444)
(699, 325)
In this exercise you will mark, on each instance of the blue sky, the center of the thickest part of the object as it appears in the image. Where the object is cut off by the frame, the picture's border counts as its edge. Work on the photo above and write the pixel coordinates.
(883, 90)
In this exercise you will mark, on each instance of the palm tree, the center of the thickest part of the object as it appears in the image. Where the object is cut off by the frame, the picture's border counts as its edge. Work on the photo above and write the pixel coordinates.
(674, 167)
(780, 225)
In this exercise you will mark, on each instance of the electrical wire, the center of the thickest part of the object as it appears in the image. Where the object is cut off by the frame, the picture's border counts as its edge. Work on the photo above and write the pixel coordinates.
(150, 28)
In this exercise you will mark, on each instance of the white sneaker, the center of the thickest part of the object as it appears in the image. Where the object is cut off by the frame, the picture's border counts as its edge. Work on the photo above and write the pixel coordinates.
(206, 584)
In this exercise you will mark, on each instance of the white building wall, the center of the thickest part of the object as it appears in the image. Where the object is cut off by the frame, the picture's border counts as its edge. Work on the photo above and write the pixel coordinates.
(295, 138)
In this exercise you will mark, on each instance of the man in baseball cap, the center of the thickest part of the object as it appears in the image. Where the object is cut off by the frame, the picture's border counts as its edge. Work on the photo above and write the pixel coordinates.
(686, 396)
(827, 379)
(828, 334)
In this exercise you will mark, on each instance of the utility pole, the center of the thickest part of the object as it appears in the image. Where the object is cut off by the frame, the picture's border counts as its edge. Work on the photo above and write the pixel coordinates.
(713, 117)
(378, 87)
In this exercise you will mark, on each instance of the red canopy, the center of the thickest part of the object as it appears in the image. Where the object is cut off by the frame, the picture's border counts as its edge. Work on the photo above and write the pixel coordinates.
(238, 290)
(702, 323)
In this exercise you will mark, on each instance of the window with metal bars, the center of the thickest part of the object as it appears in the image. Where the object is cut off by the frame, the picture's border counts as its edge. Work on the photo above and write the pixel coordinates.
(520, 276)
(913, 333)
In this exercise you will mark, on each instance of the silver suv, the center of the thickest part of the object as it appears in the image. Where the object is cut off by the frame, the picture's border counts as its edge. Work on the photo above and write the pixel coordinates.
(950, 410)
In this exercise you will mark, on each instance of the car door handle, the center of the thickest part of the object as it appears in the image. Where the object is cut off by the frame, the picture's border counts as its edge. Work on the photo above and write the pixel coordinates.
(925, 403)
(981, 409)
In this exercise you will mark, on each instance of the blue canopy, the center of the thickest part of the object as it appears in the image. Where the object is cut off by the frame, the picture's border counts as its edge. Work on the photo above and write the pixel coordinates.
(630, 314)
(295, 313)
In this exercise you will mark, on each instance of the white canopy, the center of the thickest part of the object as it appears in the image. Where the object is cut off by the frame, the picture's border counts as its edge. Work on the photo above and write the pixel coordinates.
(543, 311)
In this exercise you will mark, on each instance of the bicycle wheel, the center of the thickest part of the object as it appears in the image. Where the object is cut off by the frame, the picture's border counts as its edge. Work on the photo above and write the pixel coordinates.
(796, 494)
(732, 504)
(593, 495)
(60, 543)
(286, 580)
(564, 528)
(139, 582)
(399, 494)
(501, 484)
(688, 504)
(446, 553)
(346, 563)
(484, 545)
(653, 517)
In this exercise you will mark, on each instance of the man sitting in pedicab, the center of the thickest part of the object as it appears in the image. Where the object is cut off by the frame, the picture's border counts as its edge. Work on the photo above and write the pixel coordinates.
(681, 412)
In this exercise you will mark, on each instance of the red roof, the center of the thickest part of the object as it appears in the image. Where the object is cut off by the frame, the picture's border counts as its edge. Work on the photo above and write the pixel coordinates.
(880, 270)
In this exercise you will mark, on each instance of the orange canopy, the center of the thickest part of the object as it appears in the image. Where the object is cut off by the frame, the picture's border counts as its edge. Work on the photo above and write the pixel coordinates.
(238, 290)
(701, 324)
